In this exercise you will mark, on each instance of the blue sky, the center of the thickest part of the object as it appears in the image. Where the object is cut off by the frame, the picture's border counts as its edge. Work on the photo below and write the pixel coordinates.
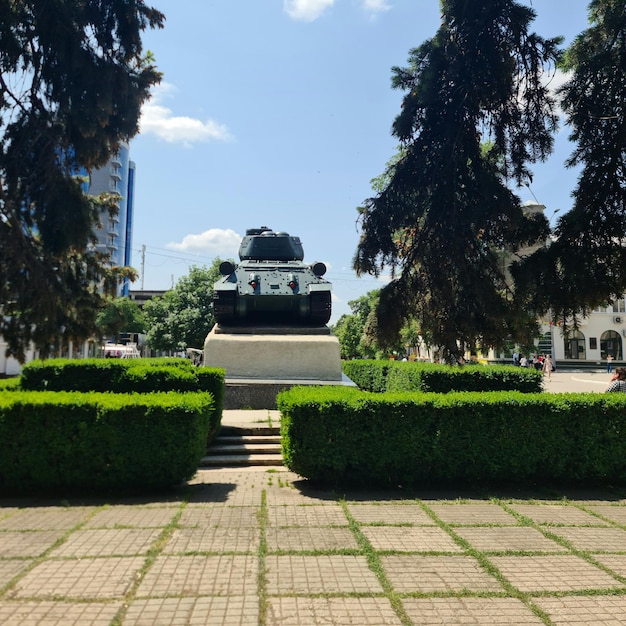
(278, 113)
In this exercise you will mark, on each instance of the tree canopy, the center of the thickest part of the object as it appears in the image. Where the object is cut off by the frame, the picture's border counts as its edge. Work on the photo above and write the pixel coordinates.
(183, 317)
(120, 315)
(73, 77)
(350, 329)
(475, 115)
(584, 266)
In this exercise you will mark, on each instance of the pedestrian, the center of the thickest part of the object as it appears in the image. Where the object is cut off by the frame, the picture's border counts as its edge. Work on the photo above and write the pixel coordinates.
(609, 363)
(523, 361)
(618, 380)
(547, 366)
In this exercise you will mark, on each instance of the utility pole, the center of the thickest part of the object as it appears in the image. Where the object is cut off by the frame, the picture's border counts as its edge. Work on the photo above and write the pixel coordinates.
(143, 263)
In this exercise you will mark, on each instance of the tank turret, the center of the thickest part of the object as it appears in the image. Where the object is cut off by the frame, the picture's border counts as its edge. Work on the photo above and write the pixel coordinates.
(271, 284)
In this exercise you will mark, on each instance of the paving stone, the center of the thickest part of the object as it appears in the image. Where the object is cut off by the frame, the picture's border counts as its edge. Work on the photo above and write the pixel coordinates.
(429, 574)
(410, 539)
(461, 513)
(557, 514)
(80, 578)
(552, 573)
(585, 611)
(24, 544)
(132, 517)
(213, 539)
(291, 515)
(50, 613)
(507, 539)
(464, 611)
(288, 488)
(220, 515)
(319, 574)
(107, 542)
(336, 611)
(48, 518)
(594, 539)
(301, 538)
(223, 575)
(390, 514)
(239, 488)
(205, 610)
(615, 562)
(5, 511)
(9, 569)
(616, 514)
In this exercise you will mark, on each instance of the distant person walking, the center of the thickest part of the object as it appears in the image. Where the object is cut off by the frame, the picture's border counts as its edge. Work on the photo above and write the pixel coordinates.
(618, 381)
(609, 363)
(547, 366)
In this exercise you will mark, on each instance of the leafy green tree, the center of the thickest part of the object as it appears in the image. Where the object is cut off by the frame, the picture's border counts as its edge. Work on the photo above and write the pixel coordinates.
(120, 315)
(350, 329)
(349, 333)
(446, 213)
(584, 266)
(183, 317)
(73, 79)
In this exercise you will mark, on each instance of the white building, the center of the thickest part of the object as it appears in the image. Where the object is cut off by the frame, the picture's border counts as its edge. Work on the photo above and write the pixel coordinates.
(600, 334)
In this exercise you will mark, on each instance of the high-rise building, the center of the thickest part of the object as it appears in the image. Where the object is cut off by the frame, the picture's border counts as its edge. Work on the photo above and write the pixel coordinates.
(115, 232)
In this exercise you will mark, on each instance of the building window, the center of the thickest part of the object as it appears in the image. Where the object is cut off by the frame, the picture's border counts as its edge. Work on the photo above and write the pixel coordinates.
(619, 306)
(611, 343)
(575, 345)
(593, 343)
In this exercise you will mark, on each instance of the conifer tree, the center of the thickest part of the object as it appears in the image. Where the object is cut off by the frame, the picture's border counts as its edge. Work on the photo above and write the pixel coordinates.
(73, 77)
(584, 266)
(476, 113)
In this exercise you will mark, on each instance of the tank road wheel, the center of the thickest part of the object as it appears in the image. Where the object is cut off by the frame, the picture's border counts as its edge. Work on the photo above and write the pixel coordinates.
(320, 307)
(224, 306)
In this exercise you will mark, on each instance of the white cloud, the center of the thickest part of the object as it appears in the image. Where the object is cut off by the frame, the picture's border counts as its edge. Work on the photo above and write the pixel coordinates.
(306, 10)
(375, 6)
(159, 120)
(212, 242)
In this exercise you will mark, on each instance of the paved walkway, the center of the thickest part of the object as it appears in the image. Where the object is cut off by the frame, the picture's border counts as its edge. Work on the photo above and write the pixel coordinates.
(261, 546)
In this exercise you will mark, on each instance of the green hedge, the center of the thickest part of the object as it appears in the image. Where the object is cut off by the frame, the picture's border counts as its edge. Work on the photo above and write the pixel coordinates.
(340, 435)
(381, 376)
(69, 441)
(123, 376)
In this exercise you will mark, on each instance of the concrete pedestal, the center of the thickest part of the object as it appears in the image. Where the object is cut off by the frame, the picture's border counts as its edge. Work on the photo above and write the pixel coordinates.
(261, 361)
(286, 355)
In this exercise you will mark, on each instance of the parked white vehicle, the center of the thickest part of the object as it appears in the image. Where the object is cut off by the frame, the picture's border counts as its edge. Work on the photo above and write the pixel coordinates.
(120, 351)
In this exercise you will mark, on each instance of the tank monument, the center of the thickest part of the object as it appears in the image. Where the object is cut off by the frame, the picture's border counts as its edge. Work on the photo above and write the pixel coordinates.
(271, 311)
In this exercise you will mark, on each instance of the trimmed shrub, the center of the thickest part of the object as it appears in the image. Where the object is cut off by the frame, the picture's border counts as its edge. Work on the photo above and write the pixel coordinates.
(339, 435)
(10, 383)
(380, 376)
(123, 376)
(68, 441)
(368, 375)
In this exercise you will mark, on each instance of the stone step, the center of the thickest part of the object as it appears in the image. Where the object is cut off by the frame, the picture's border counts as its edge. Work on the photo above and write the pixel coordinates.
(217, 447)
(237, 446)
(249, 430)
(245, 439)
(243, 460)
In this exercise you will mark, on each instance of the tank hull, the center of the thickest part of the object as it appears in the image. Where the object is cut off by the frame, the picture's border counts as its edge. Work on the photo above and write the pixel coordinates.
(272, 291)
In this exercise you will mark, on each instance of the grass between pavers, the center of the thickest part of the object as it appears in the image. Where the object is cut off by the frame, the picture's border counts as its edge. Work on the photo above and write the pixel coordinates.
(373, 556)
(488, 566)
(6, 589)
(153, 552)
(374, 563)
(262, 553)
(570, 547)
